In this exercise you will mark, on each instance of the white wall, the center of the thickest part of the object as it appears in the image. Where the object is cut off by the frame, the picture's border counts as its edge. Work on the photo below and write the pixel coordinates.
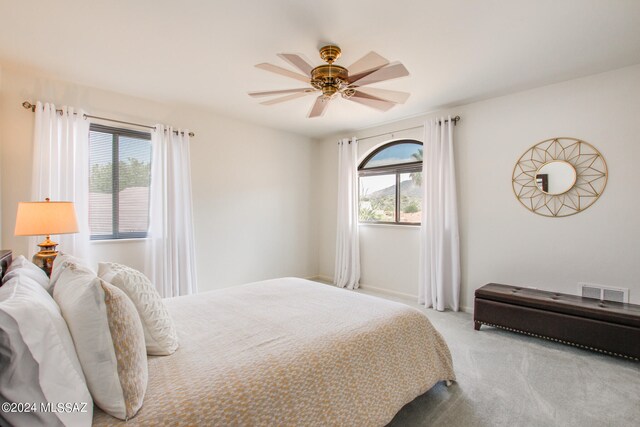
(264, 200)
(251, 185)
(502, 241)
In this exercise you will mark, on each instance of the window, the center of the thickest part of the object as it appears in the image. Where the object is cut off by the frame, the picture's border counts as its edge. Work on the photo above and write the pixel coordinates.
(390, 182)
(119, 177)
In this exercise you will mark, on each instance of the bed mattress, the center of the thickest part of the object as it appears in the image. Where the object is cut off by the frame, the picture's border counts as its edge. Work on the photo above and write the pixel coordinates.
(290, 352)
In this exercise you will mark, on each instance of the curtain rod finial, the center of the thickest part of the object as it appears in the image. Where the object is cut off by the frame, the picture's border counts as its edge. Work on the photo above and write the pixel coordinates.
(28, 105)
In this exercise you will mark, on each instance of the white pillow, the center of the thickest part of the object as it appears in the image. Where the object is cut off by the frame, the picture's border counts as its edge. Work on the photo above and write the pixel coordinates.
(159, 332)
(61, 263)
(25, 267)
(108, 337)
(37, 358)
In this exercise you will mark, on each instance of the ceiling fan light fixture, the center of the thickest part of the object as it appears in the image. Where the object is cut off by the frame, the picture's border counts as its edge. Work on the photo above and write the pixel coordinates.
(329, 92)
(348, 92)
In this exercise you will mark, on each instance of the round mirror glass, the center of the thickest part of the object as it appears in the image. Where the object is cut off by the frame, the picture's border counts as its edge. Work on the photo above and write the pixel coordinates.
(556, 177)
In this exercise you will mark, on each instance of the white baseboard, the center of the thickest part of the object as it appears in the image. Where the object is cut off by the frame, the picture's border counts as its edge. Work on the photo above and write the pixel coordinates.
(467, 310)
(321, 278)
(404, 295)
(329, 280)
(389, 292)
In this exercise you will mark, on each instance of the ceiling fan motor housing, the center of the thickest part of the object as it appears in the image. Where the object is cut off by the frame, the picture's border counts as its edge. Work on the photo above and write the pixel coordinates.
(329, 78)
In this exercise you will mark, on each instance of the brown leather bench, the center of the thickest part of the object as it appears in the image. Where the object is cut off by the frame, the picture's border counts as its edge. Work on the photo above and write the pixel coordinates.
(605, 326)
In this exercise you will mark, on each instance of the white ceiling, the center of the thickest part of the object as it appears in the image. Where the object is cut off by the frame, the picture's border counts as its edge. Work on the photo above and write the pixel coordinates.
(203, 52)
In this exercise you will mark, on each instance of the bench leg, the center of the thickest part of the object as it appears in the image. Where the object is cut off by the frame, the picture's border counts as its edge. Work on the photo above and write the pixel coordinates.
(476, 325)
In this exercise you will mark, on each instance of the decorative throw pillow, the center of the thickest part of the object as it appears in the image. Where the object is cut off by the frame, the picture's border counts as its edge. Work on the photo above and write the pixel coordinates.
(61, 263)
(38, 362)
(24, 267)
(108, 337)
(159, 332)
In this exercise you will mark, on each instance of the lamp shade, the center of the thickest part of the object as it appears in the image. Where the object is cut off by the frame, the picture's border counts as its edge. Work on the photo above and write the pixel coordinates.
(45, 218)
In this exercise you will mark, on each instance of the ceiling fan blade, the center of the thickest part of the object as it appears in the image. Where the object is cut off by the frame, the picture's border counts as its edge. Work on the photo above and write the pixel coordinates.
(389, 72)
(279, 92)
(366, 65)
(385, 95)
(297, 61)
(282, 71)
(378, 104)
(319, 107)
(285, 98)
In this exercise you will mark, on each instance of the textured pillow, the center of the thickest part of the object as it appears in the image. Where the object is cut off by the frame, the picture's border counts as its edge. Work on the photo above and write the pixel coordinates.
(108, 337)
(159, 333)
(22, 266)
(61, 263)
(38, 362)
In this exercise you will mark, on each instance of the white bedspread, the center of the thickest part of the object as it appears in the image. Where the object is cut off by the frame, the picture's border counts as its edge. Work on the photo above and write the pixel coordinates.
(290, 352)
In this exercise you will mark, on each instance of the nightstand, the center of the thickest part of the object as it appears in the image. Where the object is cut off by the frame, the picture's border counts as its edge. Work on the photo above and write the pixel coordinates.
(5, 261)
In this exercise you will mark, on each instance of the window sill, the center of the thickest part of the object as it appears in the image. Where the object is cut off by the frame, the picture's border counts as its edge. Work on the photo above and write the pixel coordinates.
(370, 224)
(107, 241)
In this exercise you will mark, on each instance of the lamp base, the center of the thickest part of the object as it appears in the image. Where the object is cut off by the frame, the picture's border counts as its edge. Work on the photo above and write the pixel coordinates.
(44, 258)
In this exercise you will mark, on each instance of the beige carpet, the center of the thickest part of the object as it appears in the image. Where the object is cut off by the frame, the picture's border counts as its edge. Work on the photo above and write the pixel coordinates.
(509, 379)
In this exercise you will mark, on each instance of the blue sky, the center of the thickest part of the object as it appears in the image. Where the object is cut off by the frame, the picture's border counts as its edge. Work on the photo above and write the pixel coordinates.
(401, 153)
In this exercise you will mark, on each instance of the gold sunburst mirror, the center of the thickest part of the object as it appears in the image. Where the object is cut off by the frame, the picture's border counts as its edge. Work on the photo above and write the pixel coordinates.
(559, 177)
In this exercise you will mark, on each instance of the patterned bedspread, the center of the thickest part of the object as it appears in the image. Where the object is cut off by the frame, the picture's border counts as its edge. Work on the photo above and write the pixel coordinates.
(290, 352)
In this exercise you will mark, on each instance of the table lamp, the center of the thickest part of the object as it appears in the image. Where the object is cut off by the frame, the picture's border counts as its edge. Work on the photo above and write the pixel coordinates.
(44, 219)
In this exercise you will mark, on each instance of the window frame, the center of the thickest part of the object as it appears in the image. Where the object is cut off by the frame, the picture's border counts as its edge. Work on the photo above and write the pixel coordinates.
(394, 169)
(115, 178)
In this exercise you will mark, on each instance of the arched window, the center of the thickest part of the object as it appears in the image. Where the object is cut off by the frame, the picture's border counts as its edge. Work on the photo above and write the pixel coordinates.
(390, 184)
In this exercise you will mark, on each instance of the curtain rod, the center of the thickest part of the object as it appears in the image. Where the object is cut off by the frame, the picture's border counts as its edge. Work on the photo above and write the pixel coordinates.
(453, 119)
(32, 107)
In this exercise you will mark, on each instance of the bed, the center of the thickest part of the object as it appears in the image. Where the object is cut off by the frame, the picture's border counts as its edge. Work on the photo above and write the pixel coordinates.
(278, 352)
(290, 352)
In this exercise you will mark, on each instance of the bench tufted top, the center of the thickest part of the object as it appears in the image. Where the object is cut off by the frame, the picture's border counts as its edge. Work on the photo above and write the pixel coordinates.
(608, 311)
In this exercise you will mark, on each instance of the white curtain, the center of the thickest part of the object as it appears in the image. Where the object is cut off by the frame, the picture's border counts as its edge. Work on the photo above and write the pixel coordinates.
(439, 277)
(347, 267)
(61, 169)
(170, 255)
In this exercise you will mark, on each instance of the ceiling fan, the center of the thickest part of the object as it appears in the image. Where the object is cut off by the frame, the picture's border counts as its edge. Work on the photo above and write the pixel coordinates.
(331, 79)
